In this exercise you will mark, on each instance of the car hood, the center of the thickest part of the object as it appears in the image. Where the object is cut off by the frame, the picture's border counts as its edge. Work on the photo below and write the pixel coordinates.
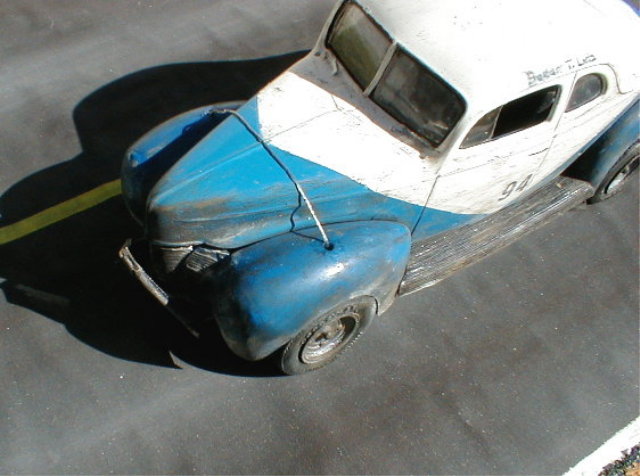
(237, 185)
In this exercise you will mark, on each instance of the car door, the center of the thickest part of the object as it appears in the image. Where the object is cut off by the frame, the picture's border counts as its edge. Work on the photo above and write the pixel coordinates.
(499, 156)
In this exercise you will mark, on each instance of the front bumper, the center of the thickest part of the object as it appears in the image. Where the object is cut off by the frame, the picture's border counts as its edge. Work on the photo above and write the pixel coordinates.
(143, 277)
(175, 306)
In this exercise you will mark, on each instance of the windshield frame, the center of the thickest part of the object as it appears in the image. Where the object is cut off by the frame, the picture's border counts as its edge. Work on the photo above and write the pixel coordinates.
(394, 49)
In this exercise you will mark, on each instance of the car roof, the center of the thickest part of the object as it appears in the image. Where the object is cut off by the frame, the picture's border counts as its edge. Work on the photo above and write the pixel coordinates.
(488, 48)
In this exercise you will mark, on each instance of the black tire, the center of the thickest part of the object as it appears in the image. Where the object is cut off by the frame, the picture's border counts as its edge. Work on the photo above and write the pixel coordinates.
(327, 337)
(619, 174)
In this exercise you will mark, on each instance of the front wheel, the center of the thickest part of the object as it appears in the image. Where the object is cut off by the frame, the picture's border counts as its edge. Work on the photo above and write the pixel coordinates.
(326, 337)
(619, 174)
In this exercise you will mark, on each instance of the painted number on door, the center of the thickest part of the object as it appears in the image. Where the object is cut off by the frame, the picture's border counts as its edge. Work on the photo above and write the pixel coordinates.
(515, 187)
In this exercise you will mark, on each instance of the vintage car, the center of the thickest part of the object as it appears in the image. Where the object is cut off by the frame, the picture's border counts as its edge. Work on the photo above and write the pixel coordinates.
(415, 138)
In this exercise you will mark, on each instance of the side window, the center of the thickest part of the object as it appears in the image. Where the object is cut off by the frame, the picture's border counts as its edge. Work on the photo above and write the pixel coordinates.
(586, 89)
(514, 116)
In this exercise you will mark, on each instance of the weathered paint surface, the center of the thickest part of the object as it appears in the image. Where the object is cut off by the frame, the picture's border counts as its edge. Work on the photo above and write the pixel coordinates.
(158, 151)
(272, 289)
(211, 178)
(594, 166)
(334, 133)
(228, 192)
(493, 50)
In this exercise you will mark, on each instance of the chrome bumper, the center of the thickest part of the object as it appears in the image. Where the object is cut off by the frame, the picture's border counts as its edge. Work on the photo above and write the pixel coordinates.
(138, 271)
(150, 285)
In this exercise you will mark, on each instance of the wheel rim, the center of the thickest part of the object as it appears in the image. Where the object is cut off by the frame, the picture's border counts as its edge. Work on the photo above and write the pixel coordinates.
(329, 339)
(618, 180)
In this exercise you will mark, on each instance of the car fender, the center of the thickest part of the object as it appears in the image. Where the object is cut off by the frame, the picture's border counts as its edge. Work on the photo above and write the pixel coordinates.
(597, 160)
(267, 292)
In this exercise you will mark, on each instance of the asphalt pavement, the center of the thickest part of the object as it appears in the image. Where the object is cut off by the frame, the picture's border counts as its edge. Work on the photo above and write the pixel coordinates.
(521, 364)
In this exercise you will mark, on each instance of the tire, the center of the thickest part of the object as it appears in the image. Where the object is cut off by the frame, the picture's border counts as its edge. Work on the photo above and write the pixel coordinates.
(619, 174)
(327, 337)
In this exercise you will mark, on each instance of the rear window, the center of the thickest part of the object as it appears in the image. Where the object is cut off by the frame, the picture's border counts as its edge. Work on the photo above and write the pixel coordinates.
(586, 89)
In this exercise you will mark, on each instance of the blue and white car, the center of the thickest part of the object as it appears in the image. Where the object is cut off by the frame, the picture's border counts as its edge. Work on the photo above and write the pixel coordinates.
(415, 138)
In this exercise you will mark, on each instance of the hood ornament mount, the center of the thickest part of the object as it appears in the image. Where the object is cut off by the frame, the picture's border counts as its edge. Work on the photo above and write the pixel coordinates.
(325, 239)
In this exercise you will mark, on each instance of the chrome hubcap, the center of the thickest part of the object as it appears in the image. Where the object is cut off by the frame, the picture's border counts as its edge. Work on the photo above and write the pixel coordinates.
(329, 339)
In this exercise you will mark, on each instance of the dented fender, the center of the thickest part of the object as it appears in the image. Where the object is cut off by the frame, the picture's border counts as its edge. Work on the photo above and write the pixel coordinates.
(269, 291)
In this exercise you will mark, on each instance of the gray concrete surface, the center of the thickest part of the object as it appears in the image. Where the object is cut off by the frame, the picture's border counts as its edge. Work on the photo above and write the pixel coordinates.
(522, 364)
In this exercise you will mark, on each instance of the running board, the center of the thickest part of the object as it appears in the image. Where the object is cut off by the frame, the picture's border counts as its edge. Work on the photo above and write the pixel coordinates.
(437, 257)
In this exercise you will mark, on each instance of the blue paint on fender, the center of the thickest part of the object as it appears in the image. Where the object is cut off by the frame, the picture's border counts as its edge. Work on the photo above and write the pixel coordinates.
(269, 291)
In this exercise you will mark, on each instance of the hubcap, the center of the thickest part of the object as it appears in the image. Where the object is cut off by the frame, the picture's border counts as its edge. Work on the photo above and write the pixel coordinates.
(329, 339)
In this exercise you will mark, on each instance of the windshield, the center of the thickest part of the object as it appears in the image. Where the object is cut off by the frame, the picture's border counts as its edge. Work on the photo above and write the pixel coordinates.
(359, 44)
(405, 88)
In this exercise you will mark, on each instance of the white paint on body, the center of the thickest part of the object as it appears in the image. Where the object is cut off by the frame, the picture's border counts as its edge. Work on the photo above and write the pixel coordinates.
(325, 117)
(488, 50)
(340, 137)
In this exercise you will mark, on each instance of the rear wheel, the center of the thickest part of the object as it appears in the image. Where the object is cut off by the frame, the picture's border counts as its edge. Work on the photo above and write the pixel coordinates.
(619, 174)
(326, 337)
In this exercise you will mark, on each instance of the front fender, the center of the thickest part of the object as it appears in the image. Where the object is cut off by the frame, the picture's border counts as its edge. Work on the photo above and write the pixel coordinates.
(269, 291)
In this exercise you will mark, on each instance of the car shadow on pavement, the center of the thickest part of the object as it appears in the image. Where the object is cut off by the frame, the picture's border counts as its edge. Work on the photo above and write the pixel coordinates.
(69, 271)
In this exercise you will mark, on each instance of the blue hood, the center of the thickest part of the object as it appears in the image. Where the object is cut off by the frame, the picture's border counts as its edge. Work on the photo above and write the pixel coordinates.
(227, 191)
(156, 152)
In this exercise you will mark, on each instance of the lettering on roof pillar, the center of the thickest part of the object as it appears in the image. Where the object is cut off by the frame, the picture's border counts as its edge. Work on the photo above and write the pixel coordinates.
(536, 77)
(542, 76)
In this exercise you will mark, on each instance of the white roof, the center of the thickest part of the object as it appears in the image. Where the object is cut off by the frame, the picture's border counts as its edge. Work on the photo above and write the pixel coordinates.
(485, 48)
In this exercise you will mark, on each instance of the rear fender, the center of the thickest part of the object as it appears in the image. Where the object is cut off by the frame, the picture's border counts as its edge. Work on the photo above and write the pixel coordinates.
(271, 290)
(601, 156)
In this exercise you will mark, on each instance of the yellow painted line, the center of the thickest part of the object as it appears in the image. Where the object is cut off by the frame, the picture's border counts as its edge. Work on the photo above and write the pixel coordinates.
(59, 212)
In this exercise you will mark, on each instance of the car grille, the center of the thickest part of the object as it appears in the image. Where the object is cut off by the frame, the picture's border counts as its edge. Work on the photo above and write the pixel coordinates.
(171, 261)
